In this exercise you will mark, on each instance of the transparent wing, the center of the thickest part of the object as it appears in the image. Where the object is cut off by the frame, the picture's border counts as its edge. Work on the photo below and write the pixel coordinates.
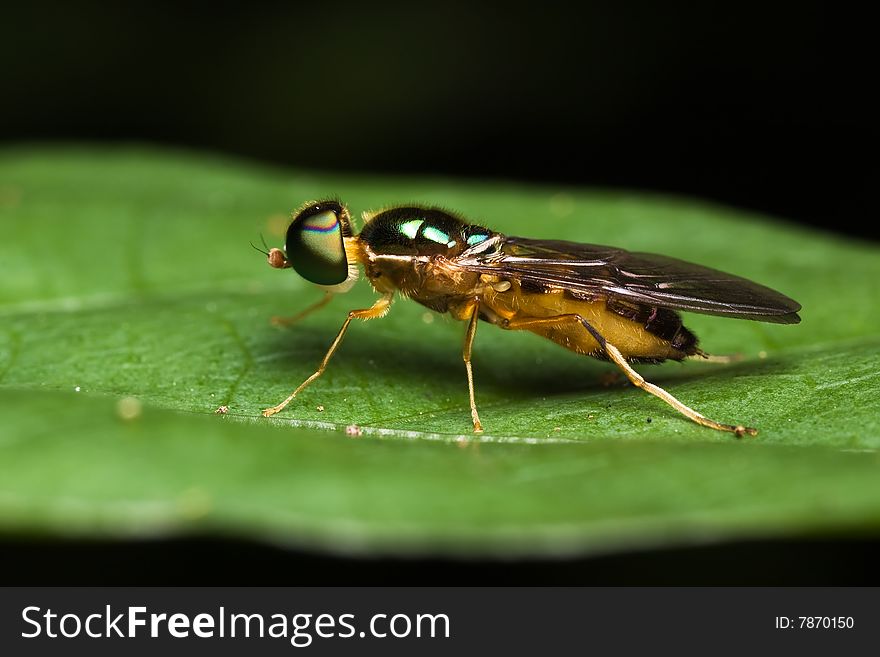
(603, 271)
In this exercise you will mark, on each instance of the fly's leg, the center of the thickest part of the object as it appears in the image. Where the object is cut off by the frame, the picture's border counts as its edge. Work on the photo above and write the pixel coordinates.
(634, 377)
(278, 260)
(466, 355)
(288, 321)
(712, 358)
(378, 309)
(657, 391)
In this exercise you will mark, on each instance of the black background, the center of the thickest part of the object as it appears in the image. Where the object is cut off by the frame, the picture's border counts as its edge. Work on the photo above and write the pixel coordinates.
(766, 106)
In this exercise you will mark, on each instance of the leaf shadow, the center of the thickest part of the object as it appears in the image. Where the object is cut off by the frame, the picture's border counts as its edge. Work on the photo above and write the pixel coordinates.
(554, 372)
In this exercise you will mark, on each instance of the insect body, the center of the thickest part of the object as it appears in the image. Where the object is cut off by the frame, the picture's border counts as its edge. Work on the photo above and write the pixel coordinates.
(595, 300)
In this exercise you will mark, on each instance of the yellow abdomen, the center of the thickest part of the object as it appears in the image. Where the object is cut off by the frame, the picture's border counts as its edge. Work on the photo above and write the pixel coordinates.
(630, 336)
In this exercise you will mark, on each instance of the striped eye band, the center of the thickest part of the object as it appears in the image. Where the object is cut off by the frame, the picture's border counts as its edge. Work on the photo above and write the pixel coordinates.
(325, 222)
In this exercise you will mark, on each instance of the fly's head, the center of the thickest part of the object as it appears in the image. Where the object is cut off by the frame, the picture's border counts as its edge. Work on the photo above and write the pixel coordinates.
(315, 246)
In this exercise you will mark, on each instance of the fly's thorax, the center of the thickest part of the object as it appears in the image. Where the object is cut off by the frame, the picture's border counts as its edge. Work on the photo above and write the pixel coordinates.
(418, 231)
(410, 249)
(386, 274)
(420, 277)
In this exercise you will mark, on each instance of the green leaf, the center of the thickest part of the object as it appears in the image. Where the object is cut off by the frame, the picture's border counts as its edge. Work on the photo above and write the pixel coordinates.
(128, 274)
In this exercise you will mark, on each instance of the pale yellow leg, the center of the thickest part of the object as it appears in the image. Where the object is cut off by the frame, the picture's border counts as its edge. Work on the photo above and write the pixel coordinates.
(636, 378)
(657, 391)
(288, 321)
(466, 355)
(378, 309)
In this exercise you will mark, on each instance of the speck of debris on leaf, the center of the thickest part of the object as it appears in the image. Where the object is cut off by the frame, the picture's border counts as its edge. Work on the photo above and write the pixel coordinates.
(648, 420)
(129, 408)
(353, 430)
(320, 407)
(221, 410)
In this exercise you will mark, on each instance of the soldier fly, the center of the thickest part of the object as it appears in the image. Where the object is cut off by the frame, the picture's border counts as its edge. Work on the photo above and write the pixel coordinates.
(598, 301)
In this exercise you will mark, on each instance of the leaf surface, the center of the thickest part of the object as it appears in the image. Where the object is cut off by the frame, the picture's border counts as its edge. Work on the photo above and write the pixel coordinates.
(128, 273)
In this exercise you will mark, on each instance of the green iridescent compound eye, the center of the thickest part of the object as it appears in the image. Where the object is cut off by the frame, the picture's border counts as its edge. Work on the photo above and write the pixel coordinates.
(315, 247)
